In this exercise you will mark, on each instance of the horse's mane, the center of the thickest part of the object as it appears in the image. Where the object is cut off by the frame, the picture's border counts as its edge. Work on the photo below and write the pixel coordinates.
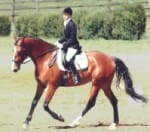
(40, 40)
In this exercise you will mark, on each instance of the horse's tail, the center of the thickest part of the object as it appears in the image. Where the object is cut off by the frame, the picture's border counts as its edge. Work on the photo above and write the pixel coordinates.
(122, 72)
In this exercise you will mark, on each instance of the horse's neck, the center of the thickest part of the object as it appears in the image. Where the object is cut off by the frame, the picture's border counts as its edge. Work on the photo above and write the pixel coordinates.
(40, 49)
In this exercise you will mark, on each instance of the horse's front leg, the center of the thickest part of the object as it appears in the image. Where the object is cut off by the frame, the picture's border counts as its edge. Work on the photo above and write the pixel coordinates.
(35, 100)
(49, 94)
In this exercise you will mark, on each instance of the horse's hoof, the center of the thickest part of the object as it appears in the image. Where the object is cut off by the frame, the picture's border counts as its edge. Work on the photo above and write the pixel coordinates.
(112, 126)
(74, 124)
(60, 118)
(25, 125)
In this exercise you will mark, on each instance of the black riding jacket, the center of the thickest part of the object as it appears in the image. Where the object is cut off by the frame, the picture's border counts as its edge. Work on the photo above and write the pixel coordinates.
(70, 36)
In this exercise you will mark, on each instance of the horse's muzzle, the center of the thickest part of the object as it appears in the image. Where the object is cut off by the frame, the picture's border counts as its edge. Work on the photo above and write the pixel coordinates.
(15, 67)
(15, 70)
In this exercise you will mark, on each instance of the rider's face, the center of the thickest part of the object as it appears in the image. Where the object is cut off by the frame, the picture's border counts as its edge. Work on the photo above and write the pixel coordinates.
(66, 16)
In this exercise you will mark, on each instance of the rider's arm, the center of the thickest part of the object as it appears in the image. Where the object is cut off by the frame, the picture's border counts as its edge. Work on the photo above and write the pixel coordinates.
(62, 40)
(72, 39)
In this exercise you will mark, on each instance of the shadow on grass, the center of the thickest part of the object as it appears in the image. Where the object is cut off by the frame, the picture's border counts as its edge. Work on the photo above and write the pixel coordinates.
(7, 124)
(99, 125)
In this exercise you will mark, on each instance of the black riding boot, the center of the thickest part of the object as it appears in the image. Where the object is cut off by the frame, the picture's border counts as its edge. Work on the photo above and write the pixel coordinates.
(76, 76)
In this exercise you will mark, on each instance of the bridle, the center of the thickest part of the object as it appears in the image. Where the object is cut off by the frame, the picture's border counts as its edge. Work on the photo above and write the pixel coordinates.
(25, 51)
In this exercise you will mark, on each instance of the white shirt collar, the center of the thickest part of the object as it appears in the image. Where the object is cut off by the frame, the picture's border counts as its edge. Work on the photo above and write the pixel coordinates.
(66, 22)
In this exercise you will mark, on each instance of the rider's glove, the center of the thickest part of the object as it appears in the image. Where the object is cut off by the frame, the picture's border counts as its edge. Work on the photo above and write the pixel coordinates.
(64, 48)
(59, 45)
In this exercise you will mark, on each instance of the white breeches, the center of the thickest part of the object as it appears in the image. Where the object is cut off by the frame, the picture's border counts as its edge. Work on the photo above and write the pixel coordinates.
(70, 54)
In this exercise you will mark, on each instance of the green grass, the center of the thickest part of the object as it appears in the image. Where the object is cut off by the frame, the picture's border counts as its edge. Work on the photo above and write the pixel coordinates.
(17, 91)
(119, 46)
(108, 46)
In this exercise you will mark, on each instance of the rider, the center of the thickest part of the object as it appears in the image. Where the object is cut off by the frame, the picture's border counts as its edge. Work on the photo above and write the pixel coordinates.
(69, 42)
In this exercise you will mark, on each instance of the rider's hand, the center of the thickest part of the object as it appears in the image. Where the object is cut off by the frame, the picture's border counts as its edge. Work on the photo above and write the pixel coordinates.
(59, 45)
(64, 47)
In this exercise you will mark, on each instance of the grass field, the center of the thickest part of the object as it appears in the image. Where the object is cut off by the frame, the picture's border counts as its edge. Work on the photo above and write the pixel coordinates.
(17, 91)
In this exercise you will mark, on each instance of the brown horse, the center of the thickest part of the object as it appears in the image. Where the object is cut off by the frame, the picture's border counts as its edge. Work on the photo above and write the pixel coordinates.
(100, 72)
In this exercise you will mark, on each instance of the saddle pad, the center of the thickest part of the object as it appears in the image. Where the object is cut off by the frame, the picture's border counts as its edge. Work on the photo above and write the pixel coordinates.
(81, 61)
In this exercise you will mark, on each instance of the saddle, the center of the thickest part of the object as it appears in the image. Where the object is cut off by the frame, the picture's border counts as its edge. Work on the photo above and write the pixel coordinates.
(80, 61)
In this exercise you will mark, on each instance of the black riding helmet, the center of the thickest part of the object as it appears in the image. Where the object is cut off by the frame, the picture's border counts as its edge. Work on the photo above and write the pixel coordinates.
(68, 10)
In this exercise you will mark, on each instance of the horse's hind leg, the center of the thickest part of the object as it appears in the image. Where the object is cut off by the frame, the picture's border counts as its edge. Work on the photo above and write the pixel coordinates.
(35, 100)
(113, 100)
(92, 100)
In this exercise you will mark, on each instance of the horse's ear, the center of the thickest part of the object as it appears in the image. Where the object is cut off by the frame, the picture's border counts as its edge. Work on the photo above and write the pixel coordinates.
(14, 37)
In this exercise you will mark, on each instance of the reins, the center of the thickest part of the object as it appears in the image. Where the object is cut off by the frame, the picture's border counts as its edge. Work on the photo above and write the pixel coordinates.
(50, 50)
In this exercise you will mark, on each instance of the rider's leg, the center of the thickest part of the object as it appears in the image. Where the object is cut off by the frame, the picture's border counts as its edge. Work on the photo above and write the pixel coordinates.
(70, 56)
(76, 76)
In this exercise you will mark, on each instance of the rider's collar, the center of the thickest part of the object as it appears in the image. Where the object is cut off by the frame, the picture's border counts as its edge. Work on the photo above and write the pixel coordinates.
(66, 22)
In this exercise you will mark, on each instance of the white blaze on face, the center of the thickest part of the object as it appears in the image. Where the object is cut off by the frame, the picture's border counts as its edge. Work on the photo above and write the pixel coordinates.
(13, 65)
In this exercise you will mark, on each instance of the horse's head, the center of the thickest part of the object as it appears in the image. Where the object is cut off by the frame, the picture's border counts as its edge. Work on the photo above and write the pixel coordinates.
(29, 47)
(19, 54)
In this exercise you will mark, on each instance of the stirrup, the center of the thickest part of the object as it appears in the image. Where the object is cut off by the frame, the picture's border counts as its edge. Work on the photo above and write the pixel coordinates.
(76, 79)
